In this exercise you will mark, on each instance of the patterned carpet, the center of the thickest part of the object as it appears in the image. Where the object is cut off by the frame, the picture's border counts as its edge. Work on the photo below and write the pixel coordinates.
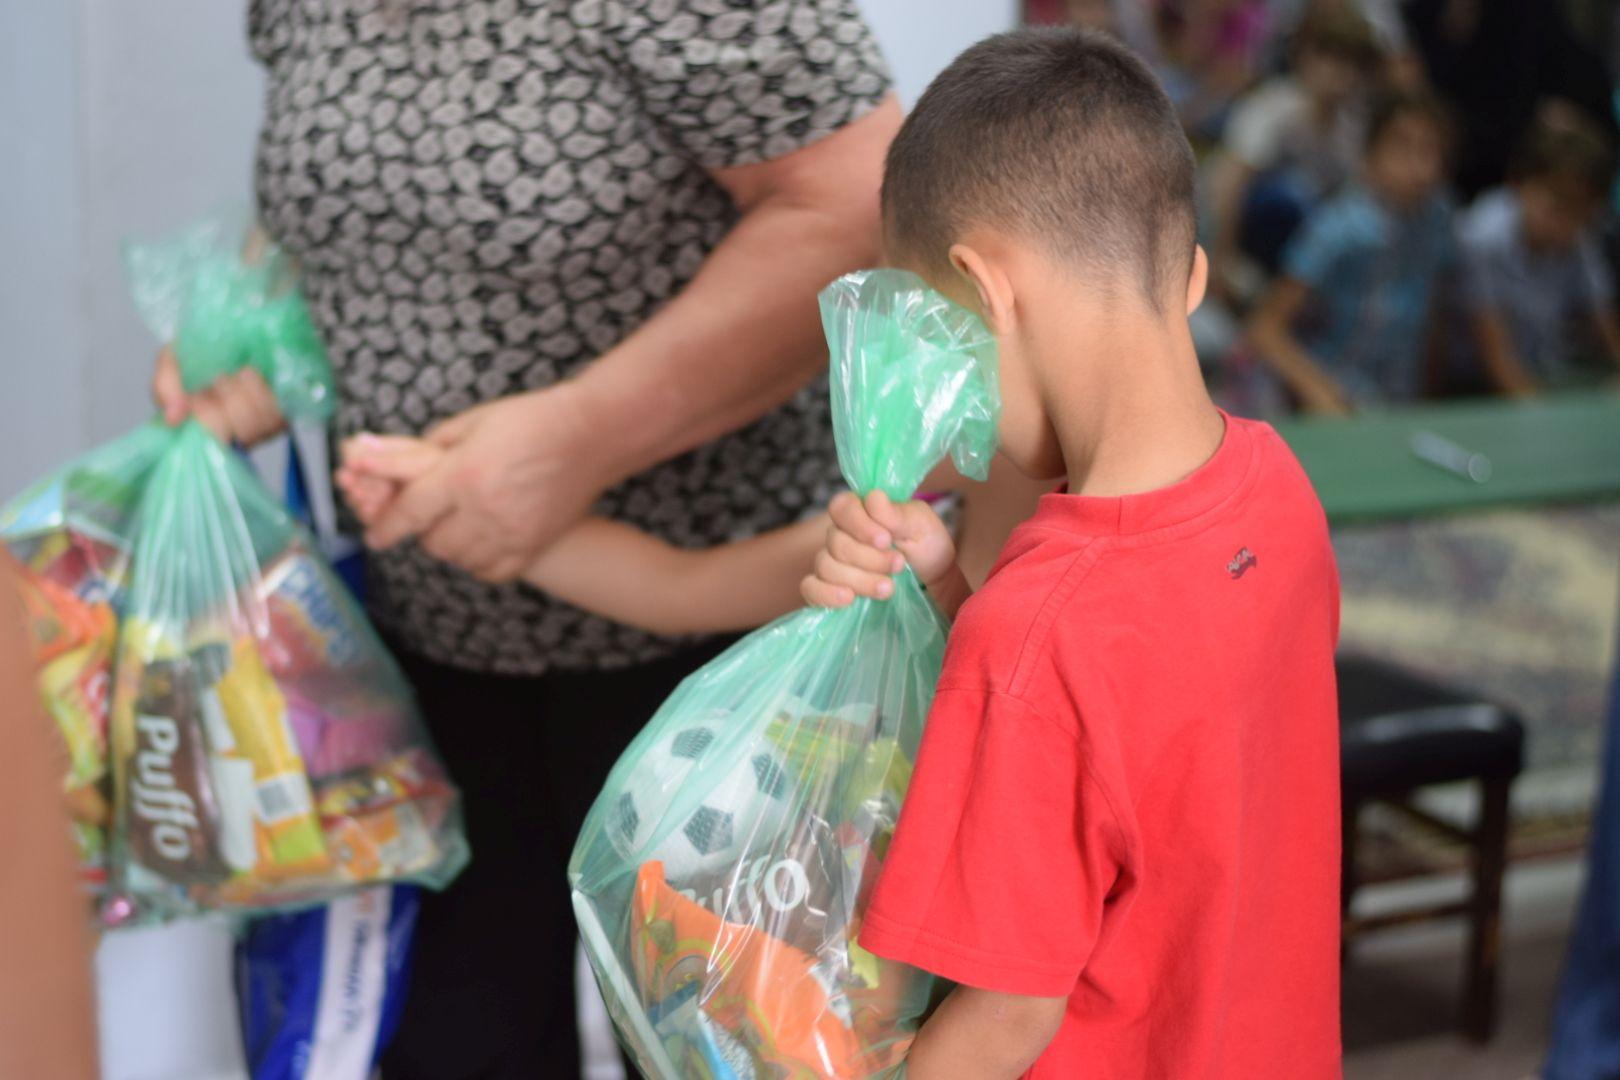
(1522, 606)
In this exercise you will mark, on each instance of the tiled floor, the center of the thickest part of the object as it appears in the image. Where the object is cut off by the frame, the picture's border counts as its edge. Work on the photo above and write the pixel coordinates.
(1401, 987)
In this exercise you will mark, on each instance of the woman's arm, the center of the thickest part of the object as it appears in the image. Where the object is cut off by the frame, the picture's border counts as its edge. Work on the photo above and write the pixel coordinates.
(626, 575)
(1271, 332)
(744, 335)
(739, 339)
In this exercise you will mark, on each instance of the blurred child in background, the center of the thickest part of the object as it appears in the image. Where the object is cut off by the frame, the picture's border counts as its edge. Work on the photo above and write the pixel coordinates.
(1534, 280)
(1349, 323)
(1290, 143)
(1207, 52)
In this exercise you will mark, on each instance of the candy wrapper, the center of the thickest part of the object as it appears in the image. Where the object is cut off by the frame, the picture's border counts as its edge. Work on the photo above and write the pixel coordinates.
(70, 537)
(722, 874)
(266, 748)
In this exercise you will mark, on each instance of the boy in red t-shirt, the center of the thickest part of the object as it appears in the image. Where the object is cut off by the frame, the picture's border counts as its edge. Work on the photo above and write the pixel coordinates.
(1122, 837)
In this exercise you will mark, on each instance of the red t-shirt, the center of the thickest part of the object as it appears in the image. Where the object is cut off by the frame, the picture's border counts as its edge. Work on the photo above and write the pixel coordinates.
(1128, 788)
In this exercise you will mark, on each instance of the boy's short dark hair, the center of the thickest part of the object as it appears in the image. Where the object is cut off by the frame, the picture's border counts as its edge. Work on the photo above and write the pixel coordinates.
(1061, 136)
(1392, 105)
(1340, 31)
(1563, 144)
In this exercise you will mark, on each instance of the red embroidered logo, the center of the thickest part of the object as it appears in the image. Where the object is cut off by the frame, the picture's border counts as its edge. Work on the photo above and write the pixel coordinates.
(1241, 562)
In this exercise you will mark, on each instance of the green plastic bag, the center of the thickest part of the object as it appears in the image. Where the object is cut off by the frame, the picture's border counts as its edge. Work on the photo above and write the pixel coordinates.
(222, 314)
(266, 749)
(722, 874)
(70, 535)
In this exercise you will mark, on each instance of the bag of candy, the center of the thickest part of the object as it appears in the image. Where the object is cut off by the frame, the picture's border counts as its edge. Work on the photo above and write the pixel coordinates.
(69, 535)
(721, 876)
(266, 748)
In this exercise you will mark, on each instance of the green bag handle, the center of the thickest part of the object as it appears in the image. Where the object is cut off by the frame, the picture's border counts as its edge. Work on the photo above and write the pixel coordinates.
(222, 315)
(913, 378)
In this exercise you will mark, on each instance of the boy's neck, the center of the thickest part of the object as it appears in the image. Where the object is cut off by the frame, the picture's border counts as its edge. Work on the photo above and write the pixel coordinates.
(1137, 416)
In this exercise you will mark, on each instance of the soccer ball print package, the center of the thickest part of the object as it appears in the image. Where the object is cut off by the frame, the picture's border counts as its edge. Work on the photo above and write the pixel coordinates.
(721, 876)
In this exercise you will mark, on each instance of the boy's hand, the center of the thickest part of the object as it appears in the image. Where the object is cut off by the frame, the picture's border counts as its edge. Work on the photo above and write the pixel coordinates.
(376, 467)
(870, 541)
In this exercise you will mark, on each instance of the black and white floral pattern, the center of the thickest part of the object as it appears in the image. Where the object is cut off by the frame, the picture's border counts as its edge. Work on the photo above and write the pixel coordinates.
(486, 194)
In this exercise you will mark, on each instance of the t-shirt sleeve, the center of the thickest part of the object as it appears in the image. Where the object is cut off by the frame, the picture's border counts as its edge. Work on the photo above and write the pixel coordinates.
(1597, 282)
(1254, 132)
(737, 82)
(1481, 267)
(1312, 251)
(1006, 854)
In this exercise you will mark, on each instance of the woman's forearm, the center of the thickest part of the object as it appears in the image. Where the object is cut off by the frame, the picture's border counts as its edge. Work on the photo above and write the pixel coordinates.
(744, 335)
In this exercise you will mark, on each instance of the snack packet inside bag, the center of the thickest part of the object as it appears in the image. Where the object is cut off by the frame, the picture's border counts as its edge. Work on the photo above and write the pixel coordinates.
(722, 874)
(69, 537)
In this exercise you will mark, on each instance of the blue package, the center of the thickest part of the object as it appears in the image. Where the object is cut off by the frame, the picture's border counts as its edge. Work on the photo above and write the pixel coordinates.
(321, 991)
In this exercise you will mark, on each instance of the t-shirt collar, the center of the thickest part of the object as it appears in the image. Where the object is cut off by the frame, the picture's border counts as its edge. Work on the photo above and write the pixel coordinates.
(1211, 484)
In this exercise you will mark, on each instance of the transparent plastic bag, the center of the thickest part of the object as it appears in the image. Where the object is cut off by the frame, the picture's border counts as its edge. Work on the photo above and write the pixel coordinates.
(224, 309)
(70, 536)
(722, 874)
(266, 749)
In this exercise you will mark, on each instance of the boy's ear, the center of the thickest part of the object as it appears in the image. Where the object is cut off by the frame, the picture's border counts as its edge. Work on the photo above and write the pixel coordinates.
(1198, 280)
(989, 281)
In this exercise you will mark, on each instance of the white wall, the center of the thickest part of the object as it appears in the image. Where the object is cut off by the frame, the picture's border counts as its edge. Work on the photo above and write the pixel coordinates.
(121, 117)
(130, 117)
(921, 36)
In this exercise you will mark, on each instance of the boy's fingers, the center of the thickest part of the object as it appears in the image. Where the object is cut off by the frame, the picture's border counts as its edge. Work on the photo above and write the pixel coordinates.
(818, 593)
(851, 517)
(850, 551)
(886, 514)
(418, 508)
(861, 582)
(909, 522)
(391, 457)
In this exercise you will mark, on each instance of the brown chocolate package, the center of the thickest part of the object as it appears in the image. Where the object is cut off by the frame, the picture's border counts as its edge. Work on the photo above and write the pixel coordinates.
(172, 816)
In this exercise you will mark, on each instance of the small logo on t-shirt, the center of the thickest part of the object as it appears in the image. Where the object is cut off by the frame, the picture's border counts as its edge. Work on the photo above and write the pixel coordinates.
(1241, 563)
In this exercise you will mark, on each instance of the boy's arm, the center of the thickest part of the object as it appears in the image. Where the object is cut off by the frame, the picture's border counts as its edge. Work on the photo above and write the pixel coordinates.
(1271, 332)
(1608, 333)
(1501, 359)
(1228, 186)
(983, 1035)
(619, 572)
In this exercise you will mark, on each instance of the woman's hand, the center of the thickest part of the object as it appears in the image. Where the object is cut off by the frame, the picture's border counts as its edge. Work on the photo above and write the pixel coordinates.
(239, 407)
(514, 473)
(873, 539)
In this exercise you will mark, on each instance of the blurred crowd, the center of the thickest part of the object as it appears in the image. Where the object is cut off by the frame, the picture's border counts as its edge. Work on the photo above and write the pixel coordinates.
(1401, 199)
